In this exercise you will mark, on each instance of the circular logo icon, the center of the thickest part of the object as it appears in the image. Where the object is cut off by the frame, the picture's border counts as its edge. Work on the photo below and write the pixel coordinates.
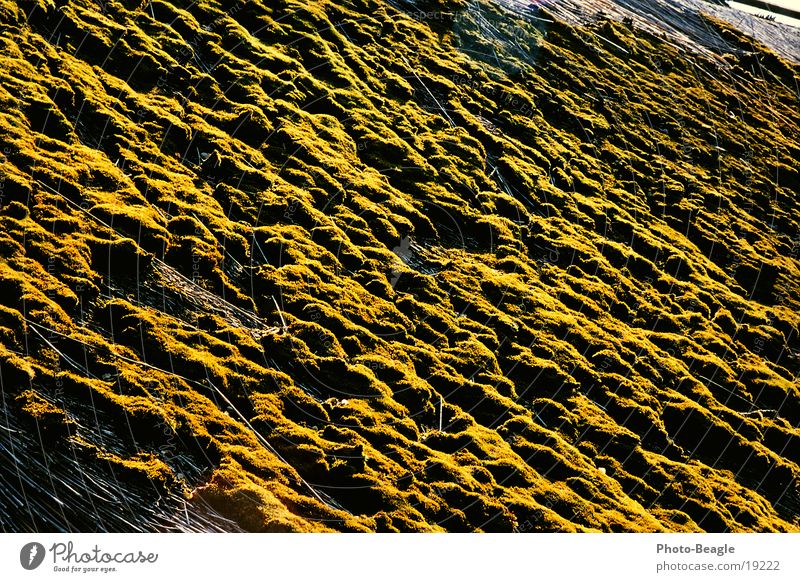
(31, 555)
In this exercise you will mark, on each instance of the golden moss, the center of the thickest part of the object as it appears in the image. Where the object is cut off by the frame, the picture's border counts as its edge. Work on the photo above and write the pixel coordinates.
(320, 267)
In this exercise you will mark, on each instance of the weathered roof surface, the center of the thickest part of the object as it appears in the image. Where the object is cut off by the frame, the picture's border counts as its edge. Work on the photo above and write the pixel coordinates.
(678, 20)
(413, 266)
